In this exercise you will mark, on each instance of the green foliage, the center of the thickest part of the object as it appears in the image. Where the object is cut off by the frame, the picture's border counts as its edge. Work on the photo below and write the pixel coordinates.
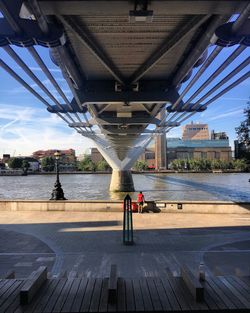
(140, 165)
(25, 164)
(48, 164)
(243, 134)
(102, 166)
(15, 163)
(239, 164)
(243, 131)
(178, 164)
(86, 164)
(207, 165)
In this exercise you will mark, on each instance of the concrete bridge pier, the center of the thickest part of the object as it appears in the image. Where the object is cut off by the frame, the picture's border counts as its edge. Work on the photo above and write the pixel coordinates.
(121, 162)
(121, 181)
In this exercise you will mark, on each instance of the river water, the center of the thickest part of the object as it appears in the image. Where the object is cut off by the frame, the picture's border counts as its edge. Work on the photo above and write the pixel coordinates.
(198, 186)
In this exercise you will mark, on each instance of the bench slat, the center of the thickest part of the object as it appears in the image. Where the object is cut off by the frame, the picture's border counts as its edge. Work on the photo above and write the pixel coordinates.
(32, 285)
(192, 283)
(112, 284)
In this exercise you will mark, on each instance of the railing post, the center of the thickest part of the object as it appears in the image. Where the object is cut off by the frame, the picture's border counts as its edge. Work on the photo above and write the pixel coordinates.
(127, 221)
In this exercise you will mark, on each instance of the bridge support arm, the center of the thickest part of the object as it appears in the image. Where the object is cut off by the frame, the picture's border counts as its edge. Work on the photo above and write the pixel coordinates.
(122, 181)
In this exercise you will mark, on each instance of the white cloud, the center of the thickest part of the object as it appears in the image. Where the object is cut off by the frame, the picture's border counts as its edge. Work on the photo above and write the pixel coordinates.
(174, 132)
(46, 82)
(26, 129)
(21, 113)
(28, 140)
(223, 115)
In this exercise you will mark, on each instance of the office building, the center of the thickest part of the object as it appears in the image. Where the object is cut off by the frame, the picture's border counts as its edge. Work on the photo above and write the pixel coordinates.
(195, 131)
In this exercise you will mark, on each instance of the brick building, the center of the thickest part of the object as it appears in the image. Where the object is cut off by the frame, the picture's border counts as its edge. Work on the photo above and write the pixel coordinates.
(96, 156)
(67, 158)
(195, 131)
(198, 149)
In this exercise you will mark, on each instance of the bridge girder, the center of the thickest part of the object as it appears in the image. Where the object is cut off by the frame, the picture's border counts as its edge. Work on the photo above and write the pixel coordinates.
(123, 73)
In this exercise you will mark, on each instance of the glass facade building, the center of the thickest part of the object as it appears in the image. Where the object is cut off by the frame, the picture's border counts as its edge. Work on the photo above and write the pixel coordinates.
(179, 143)
(198, 149)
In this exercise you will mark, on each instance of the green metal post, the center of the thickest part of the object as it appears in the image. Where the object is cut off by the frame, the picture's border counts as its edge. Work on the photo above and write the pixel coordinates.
(127, 221)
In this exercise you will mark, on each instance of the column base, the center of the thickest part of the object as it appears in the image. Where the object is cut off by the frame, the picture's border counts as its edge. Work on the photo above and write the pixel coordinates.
(121, 181)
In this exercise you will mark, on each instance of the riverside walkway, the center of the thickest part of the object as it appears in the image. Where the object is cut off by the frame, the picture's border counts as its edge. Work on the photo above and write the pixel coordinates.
(78, 248)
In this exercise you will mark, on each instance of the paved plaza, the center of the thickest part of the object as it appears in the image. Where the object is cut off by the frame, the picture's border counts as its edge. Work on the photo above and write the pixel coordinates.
(87, 243)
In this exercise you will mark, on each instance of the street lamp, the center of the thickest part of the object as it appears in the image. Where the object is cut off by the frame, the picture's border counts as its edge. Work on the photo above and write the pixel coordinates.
(57, 193)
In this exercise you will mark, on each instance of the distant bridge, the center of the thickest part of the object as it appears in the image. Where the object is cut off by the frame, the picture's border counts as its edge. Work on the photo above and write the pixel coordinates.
(125, 62)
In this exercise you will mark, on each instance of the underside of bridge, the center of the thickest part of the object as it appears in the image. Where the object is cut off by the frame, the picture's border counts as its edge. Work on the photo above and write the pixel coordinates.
(129, 65)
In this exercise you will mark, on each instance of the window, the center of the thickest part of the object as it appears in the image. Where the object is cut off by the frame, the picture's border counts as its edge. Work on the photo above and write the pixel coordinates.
(217, 155)
(203, 155)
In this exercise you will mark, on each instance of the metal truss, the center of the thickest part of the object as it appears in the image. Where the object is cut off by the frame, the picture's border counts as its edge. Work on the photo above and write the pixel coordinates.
(120, 139)
(44, 28)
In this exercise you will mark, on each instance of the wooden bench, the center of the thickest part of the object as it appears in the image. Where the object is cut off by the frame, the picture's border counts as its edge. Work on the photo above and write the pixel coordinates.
(112, 284)
(9, 275)
(193, 284)
(33, 284)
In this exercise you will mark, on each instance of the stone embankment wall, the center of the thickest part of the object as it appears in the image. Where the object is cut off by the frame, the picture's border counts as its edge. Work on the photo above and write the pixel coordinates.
(117, 206)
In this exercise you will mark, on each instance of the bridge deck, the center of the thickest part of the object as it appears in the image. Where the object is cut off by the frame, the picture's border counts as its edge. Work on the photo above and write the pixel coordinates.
(133, 295)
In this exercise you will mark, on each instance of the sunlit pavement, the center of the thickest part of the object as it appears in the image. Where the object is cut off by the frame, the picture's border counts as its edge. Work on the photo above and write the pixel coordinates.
(88, 243)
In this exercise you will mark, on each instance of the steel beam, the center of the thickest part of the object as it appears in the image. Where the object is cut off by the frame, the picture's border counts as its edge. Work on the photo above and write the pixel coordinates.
(128, 121)
(222, 82)
(204, 66)
(27, 86)
(121, 121)
(11, 20)
(46, 71)
(80, 124)
(40, 18)
(219, 70)
(62, 53)
(73, 90)
(231, 86)
(244, 16)
(32, 91)
(199, 48)
(234, 84)
(43, 24)
(85, 37)
(19, 61)
(128, 131)
(94, 7)
(126, 96)
(167, 47)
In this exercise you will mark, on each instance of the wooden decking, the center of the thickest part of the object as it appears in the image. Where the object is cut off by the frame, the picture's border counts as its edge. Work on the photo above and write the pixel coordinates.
(133, 295)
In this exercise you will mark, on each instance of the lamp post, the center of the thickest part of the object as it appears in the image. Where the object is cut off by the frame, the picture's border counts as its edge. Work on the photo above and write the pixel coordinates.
(57, 193)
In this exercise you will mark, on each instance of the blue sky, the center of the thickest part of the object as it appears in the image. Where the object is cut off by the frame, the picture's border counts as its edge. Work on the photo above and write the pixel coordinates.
(26, 126)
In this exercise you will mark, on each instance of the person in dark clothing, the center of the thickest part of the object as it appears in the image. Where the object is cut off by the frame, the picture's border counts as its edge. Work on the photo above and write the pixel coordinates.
(140, 201)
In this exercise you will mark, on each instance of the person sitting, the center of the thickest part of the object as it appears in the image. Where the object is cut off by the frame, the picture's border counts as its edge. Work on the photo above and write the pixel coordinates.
(140, 201)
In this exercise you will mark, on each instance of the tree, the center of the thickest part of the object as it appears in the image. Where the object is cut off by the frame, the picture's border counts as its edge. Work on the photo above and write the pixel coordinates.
(48, 164)
(140, 165)
(25, 166)
(102, 166)
(243, 134)
(239, 164)
(15, 163)
(87, 164)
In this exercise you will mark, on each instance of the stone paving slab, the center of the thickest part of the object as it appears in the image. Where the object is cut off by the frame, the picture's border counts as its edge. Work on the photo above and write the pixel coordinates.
(88, 243)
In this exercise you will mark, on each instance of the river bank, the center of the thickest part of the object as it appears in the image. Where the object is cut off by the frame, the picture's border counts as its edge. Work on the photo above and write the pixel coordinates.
(161, 186)
(163, 206)
(19, 173)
